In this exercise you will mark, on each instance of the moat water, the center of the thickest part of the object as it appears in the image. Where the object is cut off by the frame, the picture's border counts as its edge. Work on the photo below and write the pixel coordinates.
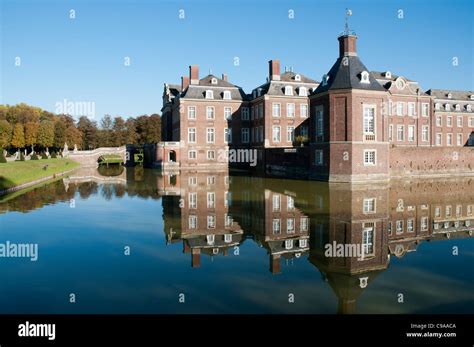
(135, 241)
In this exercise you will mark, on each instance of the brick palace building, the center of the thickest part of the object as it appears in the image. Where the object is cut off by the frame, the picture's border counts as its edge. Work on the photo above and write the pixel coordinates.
(354, 125)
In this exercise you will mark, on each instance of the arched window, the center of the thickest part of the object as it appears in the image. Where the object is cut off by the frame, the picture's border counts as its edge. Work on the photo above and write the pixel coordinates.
(303, 91)
(458, 107)
(227, 95)
(288, 90)
(447, 107)
(437, 106)
(209, 94)
(450, 95)
(364, 77)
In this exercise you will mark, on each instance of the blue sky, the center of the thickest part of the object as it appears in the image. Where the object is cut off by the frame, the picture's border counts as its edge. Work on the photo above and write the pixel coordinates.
(82, 59)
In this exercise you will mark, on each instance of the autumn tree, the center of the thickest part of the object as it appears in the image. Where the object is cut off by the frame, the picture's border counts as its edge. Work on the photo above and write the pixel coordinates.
(89, 132)
(106, 125)
(119, 131)
(31, 133)
(73, 137)
(18, 138)
(5, 134)
(45, 136)
(130, 132)
(59, 133)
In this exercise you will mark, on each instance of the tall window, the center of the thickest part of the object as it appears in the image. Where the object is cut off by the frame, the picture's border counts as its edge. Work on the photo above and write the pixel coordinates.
(304, 224)
(192, 200)
(425, 109)
(471, 122)
(390, 132)
(276, 136)
(411, 109)
(303, 110)
(245, 135)
(424, 223)
(410, 225)
(369, 120)
(439, 121)
(211, 224)
(290, 110)
(303, 130)
(290, 203)
(459, 121)
(228, 113)
(290, 134)
(319, 121)
(245, 113)
(191, 112)
(276, 109)
(411, 133)
(290, 225)
(276, 199)
(400, 133)
(400, 108)
(425, 133)
(210, 112)
(192, 154)
(276, 226)
(368, 241)
(459, 140)
(318, 157)
(191, 135)
(449, 139)
(449, 121)
(399, 227)
(228, 135)
(211, 155)
(192, 222)
(211, 200)
(210, 135)
(369, 157)
(438, 139)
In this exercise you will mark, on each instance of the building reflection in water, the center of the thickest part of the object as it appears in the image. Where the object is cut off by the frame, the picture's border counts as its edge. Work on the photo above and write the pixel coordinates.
(211, 213)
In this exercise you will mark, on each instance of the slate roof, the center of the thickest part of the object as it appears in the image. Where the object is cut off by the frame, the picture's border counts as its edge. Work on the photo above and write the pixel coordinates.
(198, 91)
(456, 94)
(289, 76)
(278, 87)
(346, 75)
(381, 75)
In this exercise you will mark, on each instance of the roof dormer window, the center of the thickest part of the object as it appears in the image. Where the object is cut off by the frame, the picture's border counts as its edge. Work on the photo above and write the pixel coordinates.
(388, 74)
(213, 80)
(288, 90)
(324, 80)
(447, 107)
(468, 108)
(458, 107)
(259, 91)
(471, 97)
(450, 96)
(209, 94)
(297, 77)
(226, 95)
(254, 93)
(364, 77)
(302, 91)
(437, 106)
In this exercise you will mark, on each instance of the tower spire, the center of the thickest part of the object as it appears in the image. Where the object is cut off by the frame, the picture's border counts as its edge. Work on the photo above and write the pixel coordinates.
(347, 31)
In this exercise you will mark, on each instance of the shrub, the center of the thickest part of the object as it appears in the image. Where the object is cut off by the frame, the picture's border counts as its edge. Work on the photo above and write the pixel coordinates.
(2, 157)
(22, 156)
(54, 155)
(34, 156)
(44, 156)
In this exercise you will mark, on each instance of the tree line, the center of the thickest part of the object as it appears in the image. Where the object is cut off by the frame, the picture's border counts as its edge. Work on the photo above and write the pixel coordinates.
(24, 126)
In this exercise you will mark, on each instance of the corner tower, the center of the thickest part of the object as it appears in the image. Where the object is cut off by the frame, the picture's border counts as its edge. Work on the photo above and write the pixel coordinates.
(348, 132)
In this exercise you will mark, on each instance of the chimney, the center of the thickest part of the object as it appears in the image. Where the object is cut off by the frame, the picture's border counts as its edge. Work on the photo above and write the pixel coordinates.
(274, 67)
(184, 82)
(224, 77)
(194, 74)
(347, 45)
(196, 258)
(275, 264)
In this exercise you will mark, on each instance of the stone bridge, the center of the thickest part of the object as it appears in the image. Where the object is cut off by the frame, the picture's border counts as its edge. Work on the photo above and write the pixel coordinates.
(91, 174)
(91, 158)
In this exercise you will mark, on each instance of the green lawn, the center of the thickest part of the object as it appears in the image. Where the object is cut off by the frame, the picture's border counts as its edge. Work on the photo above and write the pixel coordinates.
(19, 172)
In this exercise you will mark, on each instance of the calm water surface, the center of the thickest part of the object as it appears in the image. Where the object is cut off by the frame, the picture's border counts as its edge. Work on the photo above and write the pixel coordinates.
(234, 244)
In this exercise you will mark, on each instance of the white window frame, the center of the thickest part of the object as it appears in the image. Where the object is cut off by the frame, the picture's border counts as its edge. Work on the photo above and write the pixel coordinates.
(459, 121)
(367, 121)
(192, 135)
(227, 95)
(411, 128)
(439, 139)
(211, 154)
(192, 112)
(400, 108)
(370, 205)
(449, 139)
(276, 139)
(439, 121)
(276, 107)
(276, 226)
(425, 109)
(227, 135)
(411, 109)
(192, 200)
(245, 113)
(211, 200)
(288, 90)
(302, 91)
(459, 140)
(245, 135)
(402, 128)
(209, 94)
(192, 154)
(290, 106)
(304, 110)
(290, 134)
(366, 157)
(210, 132)
(210, 112)
(228, 113)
